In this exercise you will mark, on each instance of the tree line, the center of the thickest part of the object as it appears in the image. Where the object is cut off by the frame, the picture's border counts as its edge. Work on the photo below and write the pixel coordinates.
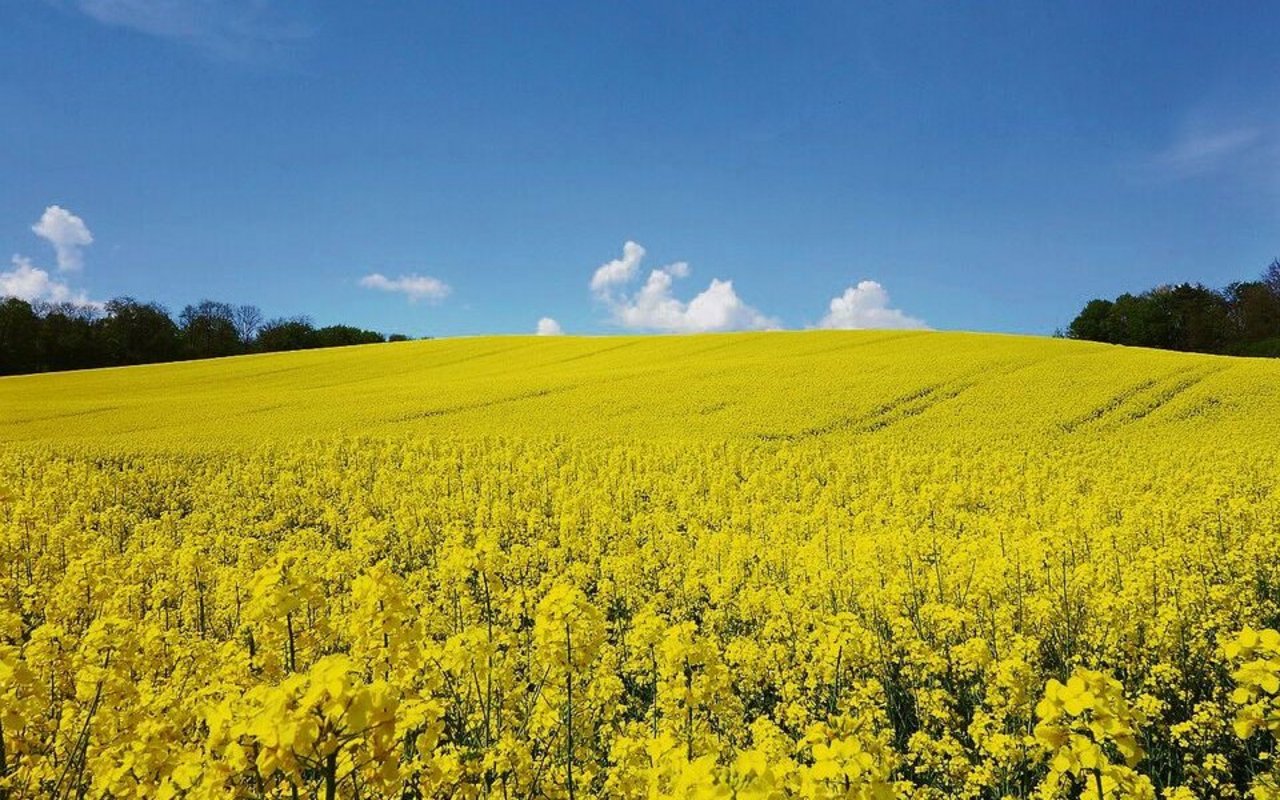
(49, 337)
(1242, 319)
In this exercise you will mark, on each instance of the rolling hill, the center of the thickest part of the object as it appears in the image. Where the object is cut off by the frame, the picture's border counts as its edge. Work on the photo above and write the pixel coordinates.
(767, 386)
(810, 565)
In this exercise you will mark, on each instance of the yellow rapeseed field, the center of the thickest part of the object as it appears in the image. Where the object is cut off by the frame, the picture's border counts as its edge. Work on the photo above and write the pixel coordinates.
(818, 565)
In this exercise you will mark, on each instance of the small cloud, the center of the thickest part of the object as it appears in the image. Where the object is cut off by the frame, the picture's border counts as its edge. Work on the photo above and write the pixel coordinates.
(24, 280)
(549, 327)
(67, 233)
(618, 271)
(413, 286)
(866, 306)
(654, 307)
(28, 282)
(230, 29)
(1199, 151)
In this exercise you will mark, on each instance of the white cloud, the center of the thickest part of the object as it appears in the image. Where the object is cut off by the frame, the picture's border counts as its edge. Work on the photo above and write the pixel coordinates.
(620, 270)
(67, 233)
(231, 29)
(1202, 149)
(866, 306)
(549, 327)
(654, 307)
(26, 281)
(716, 308)
(413, 286)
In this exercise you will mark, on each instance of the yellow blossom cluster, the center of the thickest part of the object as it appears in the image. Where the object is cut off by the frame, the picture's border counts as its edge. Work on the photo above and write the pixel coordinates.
(923, 585)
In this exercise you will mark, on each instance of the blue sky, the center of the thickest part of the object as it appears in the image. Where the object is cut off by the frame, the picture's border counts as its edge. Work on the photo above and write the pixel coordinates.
(458, 168)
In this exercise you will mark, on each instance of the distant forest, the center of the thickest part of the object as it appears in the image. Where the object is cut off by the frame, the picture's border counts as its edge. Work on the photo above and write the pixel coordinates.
(49, 337)
(1243, 319)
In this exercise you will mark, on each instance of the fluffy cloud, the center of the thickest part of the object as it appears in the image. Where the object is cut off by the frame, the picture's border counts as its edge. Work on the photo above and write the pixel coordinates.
(26, 281)
(654, 307)
(67, 233)
(866, 306)
(413, 286)
(620, 270)
(549, 327)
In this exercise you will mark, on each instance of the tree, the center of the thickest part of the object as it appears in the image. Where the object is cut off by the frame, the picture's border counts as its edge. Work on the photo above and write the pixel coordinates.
(1254, 310)
(1136, 320)
(19, 337)
(1093, 323)
(247, 319)
(209, 330)
(1192, 318)
(70, 337)
(342, 335)
(139, 333)
(286, 334)
(1243, 318)
(1271, 277)
(40, 336)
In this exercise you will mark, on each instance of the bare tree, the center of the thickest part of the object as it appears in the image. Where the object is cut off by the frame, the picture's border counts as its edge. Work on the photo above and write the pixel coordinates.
(1272, 277)
(76, 311)
(247, 319)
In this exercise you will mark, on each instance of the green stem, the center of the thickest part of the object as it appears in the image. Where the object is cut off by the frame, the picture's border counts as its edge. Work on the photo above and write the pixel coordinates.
(4, 766)
(688, 685)
(331, 776)
(293, 657)
(568, 709)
